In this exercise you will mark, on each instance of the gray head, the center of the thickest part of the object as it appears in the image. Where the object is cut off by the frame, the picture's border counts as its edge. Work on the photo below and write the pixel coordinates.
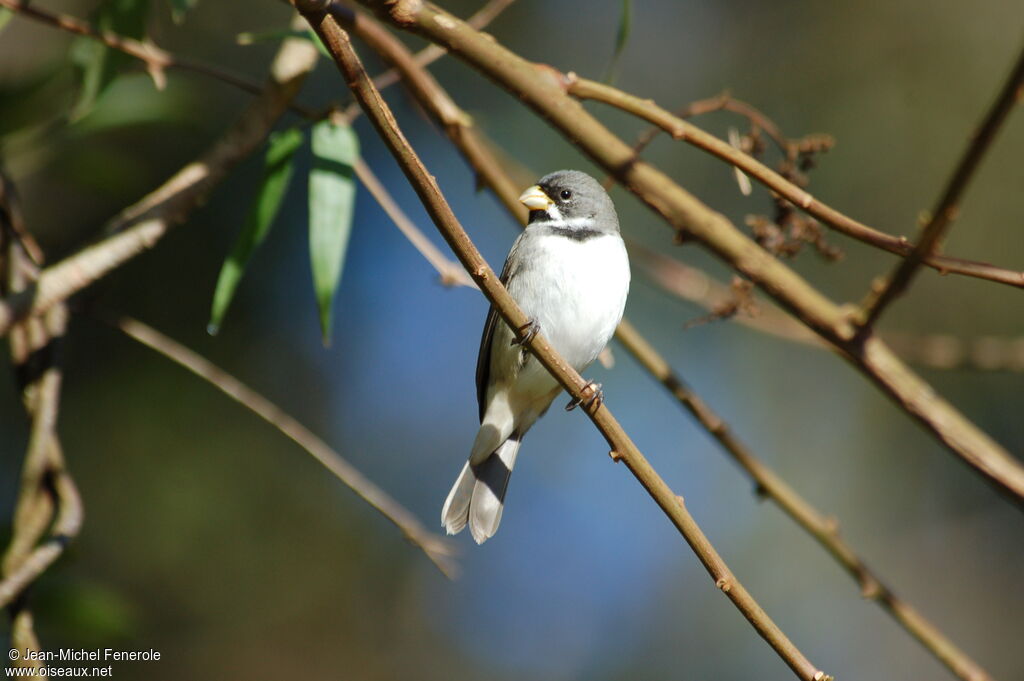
(570, 200)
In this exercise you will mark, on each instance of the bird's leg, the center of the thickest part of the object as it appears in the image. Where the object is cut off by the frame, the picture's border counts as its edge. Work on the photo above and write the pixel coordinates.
(593, 399)
(529, 330)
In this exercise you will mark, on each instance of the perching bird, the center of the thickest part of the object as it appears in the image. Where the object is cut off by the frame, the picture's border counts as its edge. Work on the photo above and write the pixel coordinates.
(569, 273)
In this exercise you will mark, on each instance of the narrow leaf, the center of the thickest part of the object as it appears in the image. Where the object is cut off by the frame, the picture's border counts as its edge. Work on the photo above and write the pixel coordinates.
(621, 38)
(100, 65)
(332, 191)
(277, 173)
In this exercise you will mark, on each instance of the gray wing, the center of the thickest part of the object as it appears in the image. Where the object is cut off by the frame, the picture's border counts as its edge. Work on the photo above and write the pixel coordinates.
(483, 359)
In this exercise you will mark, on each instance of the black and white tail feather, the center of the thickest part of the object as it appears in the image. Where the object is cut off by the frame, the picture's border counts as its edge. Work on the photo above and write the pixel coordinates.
(478, 496)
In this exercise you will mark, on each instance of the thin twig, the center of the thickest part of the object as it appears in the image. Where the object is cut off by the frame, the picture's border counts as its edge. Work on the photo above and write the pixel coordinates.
(683, 130)
(338, 43)
(543, 88)
(436, 548)
(451, 273)
(432, 52)
(823, 528)
(948, 206)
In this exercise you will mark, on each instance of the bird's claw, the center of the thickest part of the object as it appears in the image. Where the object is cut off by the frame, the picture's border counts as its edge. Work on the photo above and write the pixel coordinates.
(529, 330)
(594, 399)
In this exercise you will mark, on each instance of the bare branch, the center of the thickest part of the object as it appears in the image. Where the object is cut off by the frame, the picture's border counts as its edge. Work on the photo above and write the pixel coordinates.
(824, 529)
(48, 512)
(543, 88)
(623, 449)
(948, 206)
(451, 273)
(683, 130)
(436, 548)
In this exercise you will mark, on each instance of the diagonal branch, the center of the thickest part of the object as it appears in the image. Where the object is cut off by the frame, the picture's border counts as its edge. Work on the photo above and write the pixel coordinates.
(451, 273)
(623, 448)
(825, 530)
(949, 203)
(691, 134)
(437, 549)
(931, 350)
(543, 89)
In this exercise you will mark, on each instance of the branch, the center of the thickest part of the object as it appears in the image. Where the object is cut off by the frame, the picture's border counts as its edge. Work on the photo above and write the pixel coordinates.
(437, 549)
(824, 529)
(949, 203)
(543, 88)
(139, 227)
(683, 130)
(451, 273)
(931, 350)
(623, 449)
(48, 512)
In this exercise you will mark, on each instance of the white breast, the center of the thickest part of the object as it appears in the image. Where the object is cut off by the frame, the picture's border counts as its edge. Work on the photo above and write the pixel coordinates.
(577, 291)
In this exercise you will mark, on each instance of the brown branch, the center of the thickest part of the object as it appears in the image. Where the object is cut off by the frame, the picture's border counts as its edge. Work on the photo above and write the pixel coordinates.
(48, 512)
(720, 102)
(139, 227)
(543, 88)
(432, 52)
(683, 130)
(824, 529)
(931, 350)
(457, 124)
(948, 206)
(623, 449)
(436, 548)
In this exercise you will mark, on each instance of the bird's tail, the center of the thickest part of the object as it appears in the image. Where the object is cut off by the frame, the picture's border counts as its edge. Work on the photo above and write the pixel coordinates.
(478, 496)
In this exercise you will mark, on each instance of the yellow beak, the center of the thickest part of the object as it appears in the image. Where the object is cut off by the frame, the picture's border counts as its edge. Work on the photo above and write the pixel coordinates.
(534, 198)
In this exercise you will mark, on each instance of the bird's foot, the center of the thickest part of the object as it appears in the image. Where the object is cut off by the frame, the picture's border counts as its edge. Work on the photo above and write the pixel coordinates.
(529, 330)
(593, 396)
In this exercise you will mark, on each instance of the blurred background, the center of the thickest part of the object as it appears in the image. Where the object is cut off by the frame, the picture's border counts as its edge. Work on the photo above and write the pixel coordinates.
(212, 539)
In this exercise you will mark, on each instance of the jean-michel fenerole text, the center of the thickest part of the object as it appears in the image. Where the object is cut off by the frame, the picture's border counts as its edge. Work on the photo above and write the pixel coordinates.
(90, 655)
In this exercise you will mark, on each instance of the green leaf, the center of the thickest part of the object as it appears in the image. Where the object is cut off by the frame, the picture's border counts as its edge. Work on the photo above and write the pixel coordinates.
(100, 65)
(179, 8)
(332, 192)
(277, 173)
(621, 38)
(281, 34)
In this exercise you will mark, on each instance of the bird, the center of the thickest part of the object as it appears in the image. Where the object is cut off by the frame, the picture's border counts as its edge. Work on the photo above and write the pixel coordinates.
(569, 273)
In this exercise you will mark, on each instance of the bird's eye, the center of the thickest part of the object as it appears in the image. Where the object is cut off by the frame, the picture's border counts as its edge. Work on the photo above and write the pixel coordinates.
(566, 194)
